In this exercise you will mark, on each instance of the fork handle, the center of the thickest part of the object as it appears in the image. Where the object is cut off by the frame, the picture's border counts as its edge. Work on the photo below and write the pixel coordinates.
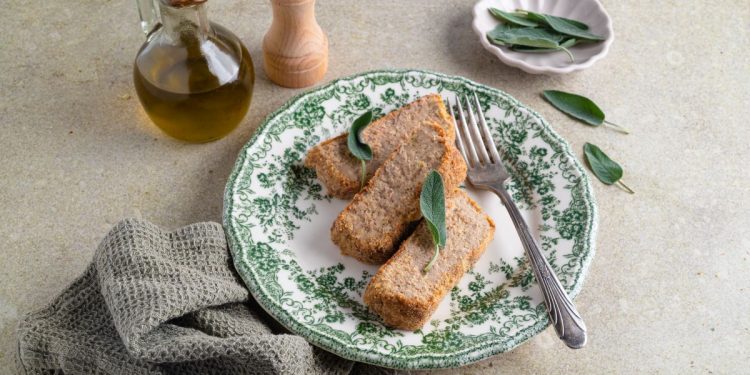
(562, 313)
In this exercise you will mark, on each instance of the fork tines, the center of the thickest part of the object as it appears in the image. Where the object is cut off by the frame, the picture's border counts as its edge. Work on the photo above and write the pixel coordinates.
(473, 137)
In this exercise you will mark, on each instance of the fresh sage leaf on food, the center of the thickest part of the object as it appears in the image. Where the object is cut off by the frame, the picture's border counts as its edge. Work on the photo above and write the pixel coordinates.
(357, 147)
(432, 205)
(580, 107)
(512, 18)
(604, 168)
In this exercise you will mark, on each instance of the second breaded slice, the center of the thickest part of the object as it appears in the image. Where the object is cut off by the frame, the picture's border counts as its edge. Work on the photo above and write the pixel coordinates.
(381, 215)
(340, 172)
(405, 297)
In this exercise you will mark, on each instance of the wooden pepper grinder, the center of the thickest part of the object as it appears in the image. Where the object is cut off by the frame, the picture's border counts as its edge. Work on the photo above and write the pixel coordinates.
(295, 49)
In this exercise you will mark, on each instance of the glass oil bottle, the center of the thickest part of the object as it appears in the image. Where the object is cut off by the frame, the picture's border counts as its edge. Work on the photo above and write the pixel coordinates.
(194, 78)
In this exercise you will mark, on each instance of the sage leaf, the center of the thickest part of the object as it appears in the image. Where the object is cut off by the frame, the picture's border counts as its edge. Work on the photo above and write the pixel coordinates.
(567, 43)
(512, 18)
(529, 37)
(604, 168)
(531, 32)
(357, 147)
(562, 47)
(432, 206)
(499, 31)
(564, 26)
(540, 18)
(579, 107)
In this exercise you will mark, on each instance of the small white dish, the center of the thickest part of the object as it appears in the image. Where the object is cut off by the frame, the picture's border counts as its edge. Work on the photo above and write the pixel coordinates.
(590, 12)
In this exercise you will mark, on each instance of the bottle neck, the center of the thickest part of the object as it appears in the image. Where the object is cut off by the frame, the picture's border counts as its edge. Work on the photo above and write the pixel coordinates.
(186, 23)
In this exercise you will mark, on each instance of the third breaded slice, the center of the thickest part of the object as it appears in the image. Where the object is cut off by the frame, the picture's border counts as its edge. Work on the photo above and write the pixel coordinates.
(380, 216)
(340, 172)
(401, 293)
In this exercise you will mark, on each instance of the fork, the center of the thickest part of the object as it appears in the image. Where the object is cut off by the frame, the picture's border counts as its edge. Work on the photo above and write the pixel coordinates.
(486, 171)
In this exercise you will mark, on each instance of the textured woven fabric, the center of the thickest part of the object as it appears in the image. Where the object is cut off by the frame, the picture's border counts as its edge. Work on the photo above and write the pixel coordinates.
(157, 302)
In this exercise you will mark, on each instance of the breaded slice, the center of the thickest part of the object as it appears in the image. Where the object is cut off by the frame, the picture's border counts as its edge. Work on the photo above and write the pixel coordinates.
(380, 216)
(401, 293)
(340, 172)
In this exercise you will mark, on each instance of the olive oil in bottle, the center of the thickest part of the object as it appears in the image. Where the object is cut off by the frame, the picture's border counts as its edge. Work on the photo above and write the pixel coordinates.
(194, 78)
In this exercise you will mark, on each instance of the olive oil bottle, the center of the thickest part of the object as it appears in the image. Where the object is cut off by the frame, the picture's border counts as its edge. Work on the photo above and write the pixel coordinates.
(194, 78)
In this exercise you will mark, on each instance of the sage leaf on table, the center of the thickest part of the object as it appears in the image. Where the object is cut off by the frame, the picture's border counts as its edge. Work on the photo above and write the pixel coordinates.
(580, 107)
(432, 205)
(604, 168)
(357, 147)
(512, 18)
(528, 37)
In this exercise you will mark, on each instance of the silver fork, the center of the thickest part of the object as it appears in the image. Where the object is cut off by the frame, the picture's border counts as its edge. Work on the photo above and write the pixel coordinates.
(486, 171)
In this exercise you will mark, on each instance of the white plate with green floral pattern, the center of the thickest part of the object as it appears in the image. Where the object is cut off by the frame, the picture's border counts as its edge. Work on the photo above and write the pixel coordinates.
(278, 218)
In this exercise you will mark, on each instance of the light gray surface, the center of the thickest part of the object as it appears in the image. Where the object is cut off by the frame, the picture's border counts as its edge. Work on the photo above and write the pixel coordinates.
(669, 288)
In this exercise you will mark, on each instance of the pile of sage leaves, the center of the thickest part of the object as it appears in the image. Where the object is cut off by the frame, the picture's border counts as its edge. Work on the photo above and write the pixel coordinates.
(531, 32)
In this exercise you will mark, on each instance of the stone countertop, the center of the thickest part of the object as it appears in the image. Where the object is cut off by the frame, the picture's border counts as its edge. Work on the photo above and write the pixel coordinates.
(669, 288)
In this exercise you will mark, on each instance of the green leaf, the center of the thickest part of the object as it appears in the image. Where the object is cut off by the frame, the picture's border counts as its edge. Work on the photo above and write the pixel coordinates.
(579, 107)
(527, 36)
(499, 31)
(564, 26)
(563, 47)
(566, 44)
(432, 205)
(604, 168)
(359, 149)
(512, 18)
(539, 17)
(576, 106)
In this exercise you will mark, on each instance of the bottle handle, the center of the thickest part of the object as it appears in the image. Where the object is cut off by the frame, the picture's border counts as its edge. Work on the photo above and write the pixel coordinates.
(148, 10)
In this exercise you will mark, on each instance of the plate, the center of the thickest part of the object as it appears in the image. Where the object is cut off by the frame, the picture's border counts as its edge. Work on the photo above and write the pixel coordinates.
(590, 12)
(278, 218)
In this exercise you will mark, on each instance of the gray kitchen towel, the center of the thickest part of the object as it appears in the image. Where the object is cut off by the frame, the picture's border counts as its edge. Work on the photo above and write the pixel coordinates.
(159, 302)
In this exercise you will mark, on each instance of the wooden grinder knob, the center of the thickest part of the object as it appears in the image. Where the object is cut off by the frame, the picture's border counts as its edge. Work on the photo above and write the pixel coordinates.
(295, 49)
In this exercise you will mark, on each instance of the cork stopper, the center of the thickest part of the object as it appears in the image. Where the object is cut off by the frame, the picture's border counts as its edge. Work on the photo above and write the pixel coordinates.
(183, 3)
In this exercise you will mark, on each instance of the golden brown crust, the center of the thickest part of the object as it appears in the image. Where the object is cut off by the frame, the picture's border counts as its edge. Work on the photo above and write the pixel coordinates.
(401, 294)
(354, 241)
(445, 119)
(339, 172)
(329, 173)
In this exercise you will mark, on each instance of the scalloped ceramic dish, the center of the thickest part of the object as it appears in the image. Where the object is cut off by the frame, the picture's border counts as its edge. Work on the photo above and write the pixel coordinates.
(278, 221)
(590, 12)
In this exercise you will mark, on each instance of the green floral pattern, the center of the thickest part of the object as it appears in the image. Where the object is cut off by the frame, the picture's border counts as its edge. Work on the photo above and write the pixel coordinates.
(271, 198)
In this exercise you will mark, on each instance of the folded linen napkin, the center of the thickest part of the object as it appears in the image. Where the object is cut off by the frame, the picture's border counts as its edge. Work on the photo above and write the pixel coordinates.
(158, 302)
